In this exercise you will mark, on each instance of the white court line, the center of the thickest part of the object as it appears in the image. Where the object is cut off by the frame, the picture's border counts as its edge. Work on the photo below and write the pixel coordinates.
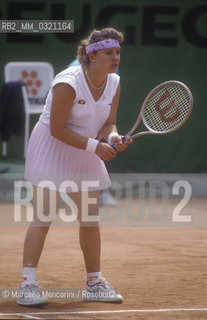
(104, 311)
(26, 316)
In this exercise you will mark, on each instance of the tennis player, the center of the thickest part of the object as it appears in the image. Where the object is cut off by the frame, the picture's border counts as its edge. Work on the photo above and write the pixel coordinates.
(81, 105)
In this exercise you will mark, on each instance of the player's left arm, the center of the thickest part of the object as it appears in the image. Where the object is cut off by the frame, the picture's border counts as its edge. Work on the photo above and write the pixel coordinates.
(110, 125)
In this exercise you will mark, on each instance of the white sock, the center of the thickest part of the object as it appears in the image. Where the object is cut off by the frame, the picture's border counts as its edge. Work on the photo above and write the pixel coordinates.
(93, 278)
(29, 275)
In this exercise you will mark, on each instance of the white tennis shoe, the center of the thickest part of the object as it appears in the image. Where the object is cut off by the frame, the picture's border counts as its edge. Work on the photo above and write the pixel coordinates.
(101, 292)
(29, 294)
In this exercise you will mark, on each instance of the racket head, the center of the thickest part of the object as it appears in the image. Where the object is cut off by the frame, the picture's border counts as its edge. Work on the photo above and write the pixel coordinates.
(167, 107)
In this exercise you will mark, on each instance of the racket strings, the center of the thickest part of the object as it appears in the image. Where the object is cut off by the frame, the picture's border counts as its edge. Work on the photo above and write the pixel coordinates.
(167, 108)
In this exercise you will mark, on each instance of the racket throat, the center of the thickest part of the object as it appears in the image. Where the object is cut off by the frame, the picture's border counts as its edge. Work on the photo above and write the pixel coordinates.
(143, 133)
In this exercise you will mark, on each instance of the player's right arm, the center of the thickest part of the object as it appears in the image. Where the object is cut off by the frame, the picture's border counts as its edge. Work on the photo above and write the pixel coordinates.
(62, 102)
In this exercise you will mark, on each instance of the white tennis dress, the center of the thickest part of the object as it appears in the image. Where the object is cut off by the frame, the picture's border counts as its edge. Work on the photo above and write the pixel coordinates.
(56, 165)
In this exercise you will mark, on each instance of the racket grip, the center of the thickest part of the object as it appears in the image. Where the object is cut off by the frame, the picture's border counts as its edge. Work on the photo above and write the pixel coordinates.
(113, 145)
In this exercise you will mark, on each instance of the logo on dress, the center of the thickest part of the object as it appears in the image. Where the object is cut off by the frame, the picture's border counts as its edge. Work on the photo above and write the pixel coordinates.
(81, 101)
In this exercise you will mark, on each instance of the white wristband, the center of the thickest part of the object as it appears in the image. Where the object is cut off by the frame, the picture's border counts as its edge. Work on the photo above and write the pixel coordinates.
(91, 145)
(111, 135)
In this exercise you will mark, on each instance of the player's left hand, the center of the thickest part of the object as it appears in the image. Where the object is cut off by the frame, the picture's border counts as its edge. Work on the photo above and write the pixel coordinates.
(119, 145)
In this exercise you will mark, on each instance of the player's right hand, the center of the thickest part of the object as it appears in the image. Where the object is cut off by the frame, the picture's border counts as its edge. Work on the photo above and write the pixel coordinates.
(105, 151)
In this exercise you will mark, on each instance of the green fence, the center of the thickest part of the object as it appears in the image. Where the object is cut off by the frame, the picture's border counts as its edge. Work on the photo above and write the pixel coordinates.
(165, 40)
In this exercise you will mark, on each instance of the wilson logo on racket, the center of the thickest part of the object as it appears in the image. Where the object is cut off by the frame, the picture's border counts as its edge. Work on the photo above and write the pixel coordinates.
(168, 109)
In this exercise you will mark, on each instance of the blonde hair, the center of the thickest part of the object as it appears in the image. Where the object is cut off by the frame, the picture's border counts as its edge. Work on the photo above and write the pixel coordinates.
(95, 36)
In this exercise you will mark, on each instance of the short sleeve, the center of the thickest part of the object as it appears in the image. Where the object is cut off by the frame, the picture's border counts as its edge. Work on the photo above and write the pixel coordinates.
(67, 78)
(114, 82)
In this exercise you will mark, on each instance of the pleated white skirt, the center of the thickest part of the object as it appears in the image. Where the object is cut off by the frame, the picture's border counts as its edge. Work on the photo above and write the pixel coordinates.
(53, 164)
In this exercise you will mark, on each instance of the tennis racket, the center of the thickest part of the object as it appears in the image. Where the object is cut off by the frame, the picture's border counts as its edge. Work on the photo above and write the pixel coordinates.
(165, 109)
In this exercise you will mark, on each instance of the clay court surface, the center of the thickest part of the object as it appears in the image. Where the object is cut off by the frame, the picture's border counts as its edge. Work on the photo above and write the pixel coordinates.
(161, 271)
